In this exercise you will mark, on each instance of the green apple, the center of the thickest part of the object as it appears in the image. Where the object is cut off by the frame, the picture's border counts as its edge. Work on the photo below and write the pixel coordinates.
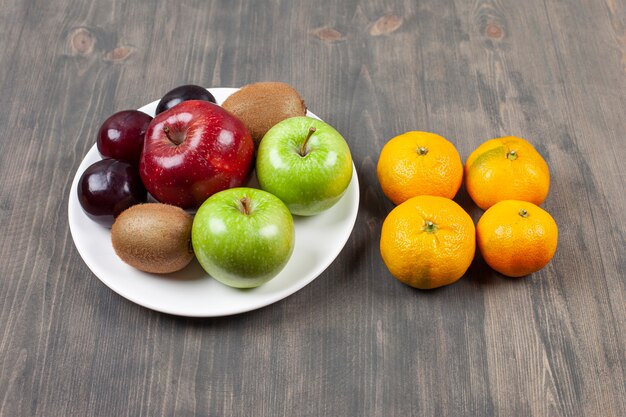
(306, 163)
(243, 237)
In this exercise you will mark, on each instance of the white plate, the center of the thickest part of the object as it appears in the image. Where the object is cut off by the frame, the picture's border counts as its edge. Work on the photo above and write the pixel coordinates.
(193, 293)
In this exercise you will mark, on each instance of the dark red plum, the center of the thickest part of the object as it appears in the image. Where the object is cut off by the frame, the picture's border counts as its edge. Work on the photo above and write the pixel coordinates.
(183, 93)
(107, 188)
(121, 135)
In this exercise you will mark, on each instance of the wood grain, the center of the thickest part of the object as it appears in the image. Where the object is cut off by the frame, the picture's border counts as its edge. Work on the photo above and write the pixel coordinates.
(354, 342)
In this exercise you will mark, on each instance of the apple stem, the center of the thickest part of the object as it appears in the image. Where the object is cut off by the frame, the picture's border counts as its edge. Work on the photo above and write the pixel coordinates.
(244, 205)
(167, 131)
(303, 147)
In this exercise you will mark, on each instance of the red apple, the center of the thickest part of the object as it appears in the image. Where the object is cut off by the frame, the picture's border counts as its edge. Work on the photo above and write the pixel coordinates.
(192, 151)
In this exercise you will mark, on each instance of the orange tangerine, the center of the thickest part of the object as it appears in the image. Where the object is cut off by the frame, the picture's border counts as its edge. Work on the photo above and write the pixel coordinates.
(507, 168)
(419, 163)
(516, 238)
(427, 242)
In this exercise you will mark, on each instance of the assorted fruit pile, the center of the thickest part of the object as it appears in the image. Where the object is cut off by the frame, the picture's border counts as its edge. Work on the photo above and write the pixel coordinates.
(428, 240)
(194, 159)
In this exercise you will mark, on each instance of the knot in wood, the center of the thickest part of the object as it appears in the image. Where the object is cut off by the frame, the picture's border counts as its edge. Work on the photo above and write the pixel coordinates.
(386, 24)
(494, 31)
(118, 54)
(328, 35)
(82, 41)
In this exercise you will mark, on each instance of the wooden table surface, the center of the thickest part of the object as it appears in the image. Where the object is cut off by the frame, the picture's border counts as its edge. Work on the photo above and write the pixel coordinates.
(355, 342)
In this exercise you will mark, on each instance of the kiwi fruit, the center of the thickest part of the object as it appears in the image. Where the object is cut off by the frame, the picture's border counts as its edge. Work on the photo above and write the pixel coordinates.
(153, 237)
(261, 105)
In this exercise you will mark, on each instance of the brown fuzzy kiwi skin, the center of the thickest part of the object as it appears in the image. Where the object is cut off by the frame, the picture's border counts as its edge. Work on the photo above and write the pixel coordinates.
(262, 105)
(153, 237)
